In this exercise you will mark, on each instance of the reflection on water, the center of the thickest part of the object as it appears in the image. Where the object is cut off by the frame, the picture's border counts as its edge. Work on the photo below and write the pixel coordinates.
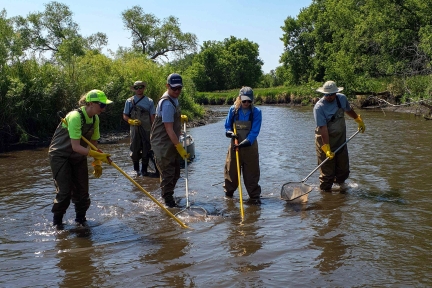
(377, 234)
(243, 238)
(75, 257)
(330, 236)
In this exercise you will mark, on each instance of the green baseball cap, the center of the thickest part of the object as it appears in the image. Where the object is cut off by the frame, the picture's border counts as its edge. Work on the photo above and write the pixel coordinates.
(97, 96)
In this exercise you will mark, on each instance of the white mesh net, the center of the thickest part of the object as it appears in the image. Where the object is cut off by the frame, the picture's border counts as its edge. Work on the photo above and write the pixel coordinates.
(295, 190)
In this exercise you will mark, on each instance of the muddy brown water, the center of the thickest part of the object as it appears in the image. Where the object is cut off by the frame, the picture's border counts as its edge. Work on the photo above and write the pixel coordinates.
(377, 234)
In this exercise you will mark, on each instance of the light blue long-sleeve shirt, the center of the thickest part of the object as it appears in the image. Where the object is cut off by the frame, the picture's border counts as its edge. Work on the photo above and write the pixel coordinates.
(256, 121)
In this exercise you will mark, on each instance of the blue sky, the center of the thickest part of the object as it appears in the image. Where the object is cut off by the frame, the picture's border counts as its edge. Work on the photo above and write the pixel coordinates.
(256, 20)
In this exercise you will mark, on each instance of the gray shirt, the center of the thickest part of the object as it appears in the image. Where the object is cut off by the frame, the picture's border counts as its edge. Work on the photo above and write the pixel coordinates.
(324, 110)
(168, 110)
(146, 103)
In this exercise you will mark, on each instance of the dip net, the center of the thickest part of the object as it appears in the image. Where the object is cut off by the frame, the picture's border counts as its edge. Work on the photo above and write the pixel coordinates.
(295, 191)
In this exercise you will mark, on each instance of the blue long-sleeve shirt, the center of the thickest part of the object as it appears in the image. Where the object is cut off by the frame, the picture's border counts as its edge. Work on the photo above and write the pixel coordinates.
(256, 121)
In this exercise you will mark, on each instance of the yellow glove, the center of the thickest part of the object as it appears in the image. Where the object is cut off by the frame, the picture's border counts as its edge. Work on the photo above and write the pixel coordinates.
(97, 166)
(361, 125)
(99, 156)
(182, 151)
(327, 151)
(134, 122)
(184, 118)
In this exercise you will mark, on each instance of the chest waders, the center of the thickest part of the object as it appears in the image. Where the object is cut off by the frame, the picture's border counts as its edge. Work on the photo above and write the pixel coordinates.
(140, 137)
(70, 172)
(165, 152)
(248, 160)
(337, 169)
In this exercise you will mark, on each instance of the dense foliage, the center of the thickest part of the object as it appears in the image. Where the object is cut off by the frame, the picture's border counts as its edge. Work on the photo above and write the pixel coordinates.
(34, 85)
(353, 41)
(225, 65)
(367, 46)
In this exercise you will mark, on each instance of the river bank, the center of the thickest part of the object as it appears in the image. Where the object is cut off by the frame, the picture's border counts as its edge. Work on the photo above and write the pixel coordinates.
(211, 116)
(112, 137)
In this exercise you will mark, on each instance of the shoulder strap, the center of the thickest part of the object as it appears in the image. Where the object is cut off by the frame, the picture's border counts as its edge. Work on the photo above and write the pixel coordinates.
(133, 103)
(338, 101)
(339, 106)
(83, 119)
(165, 98)
(236, 116)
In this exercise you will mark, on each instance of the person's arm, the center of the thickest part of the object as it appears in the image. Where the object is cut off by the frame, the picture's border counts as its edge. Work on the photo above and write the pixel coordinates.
(126, 113)
(256, 126)
(323, 131)
(175, 140)
(76, 147)
(152, 111)
(229, 119)
(169, 127)
(352, 113)
(126, 117)
(126, 110)
(357, 119)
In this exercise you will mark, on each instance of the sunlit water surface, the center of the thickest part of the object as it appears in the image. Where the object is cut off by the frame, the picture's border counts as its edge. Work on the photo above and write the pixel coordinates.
(377, 234)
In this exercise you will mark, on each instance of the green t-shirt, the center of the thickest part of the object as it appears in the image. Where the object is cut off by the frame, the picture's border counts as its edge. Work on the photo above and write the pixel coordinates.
(73, 119)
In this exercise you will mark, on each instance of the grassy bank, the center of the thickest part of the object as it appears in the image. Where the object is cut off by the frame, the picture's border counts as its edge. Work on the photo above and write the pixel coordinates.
(273, 95)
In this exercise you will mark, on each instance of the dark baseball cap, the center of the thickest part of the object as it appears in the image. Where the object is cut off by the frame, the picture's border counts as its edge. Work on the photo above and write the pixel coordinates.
(175, 80)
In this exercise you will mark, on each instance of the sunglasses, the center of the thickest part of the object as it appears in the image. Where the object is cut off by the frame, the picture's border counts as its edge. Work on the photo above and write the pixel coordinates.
(139, 87)
(330, 94)
(246, 101)
(176, 88)
(101, 105)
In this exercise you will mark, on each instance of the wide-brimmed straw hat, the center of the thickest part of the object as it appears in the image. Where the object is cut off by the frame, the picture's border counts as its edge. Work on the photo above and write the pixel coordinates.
(329, 87)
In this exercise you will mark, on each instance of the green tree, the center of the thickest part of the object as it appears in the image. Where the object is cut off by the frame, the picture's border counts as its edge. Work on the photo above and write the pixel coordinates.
(157, 38)
(10, 42)
(351, 40)
(54, 31)
(206, 70)
(224, 65)
(271, 79)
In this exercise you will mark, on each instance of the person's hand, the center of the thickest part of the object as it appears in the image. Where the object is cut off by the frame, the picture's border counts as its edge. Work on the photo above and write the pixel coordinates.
(361, 125)
(134, 122)
(184, 118)
(182, 151)
(244, 143)
(230, 134)
(99, 156)
(327, 151)
(97, 166)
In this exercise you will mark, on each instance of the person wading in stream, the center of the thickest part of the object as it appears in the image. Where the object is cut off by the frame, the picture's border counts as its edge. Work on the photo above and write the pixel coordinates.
(68, 156)
(139, 112)
(247, 119)
(330, 134)
(164, 138)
